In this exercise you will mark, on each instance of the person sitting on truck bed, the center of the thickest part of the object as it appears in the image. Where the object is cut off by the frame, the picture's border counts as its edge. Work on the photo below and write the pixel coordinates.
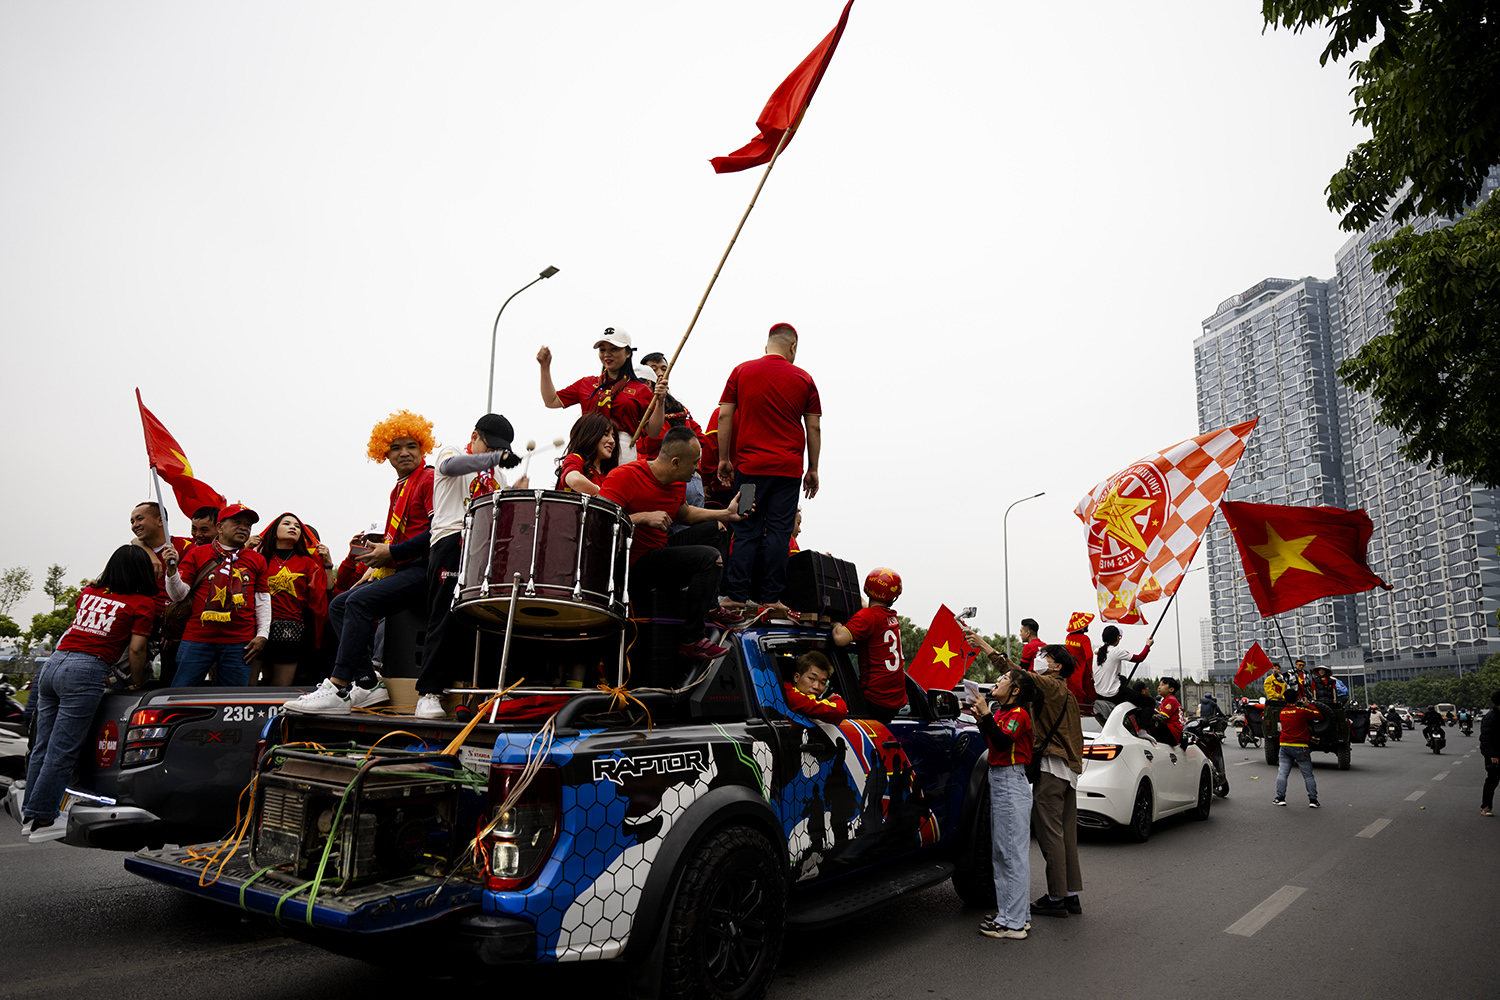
(685, 577)
(807, 692)
(231, 604)
(882, 674)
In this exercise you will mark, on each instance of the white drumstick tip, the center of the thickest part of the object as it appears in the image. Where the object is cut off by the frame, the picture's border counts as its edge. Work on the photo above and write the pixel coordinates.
(531, 446)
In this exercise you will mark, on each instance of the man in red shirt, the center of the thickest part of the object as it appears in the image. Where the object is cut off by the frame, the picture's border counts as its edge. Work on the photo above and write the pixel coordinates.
(1168, 722)
(769, 411)
(882, 673)
(617, 391)
(205, 525)
(685, 577)
(807, 692)
(146, 526)
(1295, 722)
(1033, 644)
(231, 610)
(1081, 681)
(403, 439)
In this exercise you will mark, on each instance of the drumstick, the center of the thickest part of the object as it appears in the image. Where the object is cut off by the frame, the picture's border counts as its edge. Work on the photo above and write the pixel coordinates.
(530, 448)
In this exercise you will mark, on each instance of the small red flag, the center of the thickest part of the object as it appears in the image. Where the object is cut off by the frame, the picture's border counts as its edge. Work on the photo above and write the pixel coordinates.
(945, 654)
(783, 112)
(165, 456)
(1295, 555)
(1254, 666)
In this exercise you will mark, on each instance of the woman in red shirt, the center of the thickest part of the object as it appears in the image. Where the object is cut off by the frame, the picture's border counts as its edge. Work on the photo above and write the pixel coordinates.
(298, 584)
(1007, 731)
(590, 454)
(617, 391)
(114, 612)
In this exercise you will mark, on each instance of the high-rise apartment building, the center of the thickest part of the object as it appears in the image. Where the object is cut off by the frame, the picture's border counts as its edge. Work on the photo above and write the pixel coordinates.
(1273, 351)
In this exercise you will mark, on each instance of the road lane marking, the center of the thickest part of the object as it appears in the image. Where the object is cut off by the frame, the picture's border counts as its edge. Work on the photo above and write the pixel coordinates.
(1440, 777)
(1244, 762)
(1373, 828)
(1414, 796)
(1263, 914)
(12, 847)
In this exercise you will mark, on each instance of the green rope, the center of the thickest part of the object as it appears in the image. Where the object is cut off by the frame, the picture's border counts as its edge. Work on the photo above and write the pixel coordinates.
(251, 879)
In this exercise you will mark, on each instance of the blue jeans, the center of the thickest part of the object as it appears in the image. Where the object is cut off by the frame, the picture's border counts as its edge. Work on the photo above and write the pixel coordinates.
(195, 659)
(1303, 757)
(762, 540)
(353, 615)
(66, 692)
(1010, 834)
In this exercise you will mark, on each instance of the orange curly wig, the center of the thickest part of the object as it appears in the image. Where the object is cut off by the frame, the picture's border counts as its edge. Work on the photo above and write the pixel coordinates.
(402, 423)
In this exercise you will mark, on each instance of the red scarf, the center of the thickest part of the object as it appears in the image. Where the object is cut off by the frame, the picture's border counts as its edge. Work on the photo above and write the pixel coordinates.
(221, 601)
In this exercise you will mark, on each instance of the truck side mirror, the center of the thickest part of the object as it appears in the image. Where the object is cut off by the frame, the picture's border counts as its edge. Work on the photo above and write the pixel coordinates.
(943, 704)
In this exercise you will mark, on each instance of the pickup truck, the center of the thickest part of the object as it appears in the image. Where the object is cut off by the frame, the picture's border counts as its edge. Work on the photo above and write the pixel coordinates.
(679, 830)
(165, 766)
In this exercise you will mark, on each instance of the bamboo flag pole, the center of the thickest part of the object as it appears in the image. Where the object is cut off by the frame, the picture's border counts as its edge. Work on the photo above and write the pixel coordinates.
(699, 311)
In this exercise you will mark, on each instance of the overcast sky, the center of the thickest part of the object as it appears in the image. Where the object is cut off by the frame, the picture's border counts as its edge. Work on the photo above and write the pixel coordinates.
(997, 232)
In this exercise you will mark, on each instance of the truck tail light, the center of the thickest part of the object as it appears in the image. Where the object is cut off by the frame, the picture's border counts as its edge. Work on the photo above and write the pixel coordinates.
(1102, 751)
(524, 835)
(150, 728)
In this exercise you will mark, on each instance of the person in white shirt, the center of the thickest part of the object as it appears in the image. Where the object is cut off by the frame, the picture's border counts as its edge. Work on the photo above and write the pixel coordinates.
(1108, 661)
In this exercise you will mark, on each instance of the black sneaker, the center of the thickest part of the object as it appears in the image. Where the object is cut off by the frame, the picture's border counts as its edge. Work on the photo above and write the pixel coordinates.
(1046, 906)
(1074, 904)
(1313, 804)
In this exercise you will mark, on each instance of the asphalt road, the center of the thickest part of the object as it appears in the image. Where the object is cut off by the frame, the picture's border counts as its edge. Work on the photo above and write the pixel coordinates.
(1390, 884)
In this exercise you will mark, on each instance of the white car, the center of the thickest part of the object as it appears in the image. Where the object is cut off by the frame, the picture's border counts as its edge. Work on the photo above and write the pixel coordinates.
(1131, 781)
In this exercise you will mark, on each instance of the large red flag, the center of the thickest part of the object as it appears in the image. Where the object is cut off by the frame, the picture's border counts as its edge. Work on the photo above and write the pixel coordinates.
(1146, 521)
(165, 456)
(1295, 555)
(945, 655)
(783, 112)
(1255, 665)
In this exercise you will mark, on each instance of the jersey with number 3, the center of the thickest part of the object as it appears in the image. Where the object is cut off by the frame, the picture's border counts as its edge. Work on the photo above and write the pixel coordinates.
(881, 676)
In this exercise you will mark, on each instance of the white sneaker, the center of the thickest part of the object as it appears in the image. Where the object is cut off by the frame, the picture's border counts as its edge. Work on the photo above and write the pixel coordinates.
(430, 706)
(368, 697)
(56, 830)
(26, 828)
(325, 699)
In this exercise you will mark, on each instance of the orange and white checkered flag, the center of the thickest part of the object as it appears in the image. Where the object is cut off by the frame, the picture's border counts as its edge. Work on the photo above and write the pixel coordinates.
(1146, 521)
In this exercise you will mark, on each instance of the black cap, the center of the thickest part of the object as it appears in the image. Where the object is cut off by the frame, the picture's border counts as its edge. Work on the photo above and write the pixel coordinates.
(496, 431)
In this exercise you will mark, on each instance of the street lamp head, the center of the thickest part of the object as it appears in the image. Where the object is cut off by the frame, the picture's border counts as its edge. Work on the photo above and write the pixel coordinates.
(549, 271)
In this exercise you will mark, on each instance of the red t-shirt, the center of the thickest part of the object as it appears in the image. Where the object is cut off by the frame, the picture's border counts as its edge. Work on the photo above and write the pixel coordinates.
(648, 447)
(229, 620)
(634, 487)
(410, 510)
(1172, 710)
(573, 463)
(830, 708)
(708, 463)
(881, 675)
(1015, 722)
(624, 403)
(162, 600)
(1081, 683)
(1296, 725)
(770, 396)
(292, 581)
(105, 621)
(1028, 654)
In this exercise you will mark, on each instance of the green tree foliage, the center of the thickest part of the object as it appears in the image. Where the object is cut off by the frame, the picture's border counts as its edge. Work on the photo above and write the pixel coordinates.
(911, 637)
(55, 588)
(15, 584)
(8, 627)
(1429, 90)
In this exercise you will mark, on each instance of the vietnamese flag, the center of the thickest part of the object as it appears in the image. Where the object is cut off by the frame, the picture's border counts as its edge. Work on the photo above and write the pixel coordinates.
(165, 456)
(1295, 555)
(1254, 666)
(783, 112)
(945, 654)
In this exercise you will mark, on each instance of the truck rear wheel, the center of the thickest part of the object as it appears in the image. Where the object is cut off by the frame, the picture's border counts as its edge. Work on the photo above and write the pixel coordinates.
(724, 933)
(1273, 749)
(974, 877)
(1343, 755)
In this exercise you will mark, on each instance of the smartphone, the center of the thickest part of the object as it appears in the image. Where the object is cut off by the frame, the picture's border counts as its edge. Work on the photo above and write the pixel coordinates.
(355, 551)
(747, 497)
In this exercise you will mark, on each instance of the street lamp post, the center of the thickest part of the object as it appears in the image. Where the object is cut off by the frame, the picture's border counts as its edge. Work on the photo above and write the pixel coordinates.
(1005, 544)
(489, 399)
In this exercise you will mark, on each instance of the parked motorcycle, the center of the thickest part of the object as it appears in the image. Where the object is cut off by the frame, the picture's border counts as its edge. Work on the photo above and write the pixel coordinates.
(1436, 738)
(1209, 735)
(15, 732)
(1246, 737)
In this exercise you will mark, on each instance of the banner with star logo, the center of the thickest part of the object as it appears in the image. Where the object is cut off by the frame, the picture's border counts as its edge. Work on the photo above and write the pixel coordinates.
(1295, 555)
(1146, 521)
(165, 455)
(945, 655)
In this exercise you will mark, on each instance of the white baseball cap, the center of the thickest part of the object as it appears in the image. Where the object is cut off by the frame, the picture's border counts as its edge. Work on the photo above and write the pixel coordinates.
(619, 338)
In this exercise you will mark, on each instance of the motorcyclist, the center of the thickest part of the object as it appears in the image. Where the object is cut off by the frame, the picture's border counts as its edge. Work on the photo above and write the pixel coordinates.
(1208, 706)
(1432, 721)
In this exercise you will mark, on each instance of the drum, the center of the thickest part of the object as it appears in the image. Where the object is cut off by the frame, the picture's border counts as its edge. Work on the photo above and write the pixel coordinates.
(569, 549)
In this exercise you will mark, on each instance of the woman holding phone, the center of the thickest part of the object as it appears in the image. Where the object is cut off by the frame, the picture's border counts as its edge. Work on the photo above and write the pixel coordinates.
(1005, 724)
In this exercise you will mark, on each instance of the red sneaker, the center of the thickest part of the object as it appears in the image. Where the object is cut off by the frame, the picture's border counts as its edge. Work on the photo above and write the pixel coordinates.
(702, 650)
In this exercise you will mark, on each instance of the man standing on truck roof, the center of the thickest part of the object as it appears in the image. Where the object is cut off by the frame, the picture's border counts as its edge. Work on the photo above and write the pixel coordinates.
(684, 577)
(231, 610)
(769, 410)
(403, 439)
(146, 526)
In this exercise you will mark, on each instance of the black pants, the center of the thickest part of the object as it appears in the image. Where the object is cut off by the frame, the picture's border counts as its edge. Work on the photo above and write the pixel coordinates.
(762, 539)
(706, 533)
(1491, 779)
(449, 643)
(679, 581)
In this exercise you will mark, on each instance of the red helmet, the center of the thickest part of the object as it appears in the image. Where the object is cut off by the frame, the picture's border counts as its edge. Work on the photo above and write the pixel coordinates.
(883, 584)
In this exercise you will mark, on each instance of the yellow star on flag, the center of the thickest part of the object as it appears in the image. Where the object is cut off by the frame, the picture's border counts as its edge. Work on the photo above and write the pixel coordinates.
(1282, 554)
(1118, 515)
(221, 595)
(187, 467)
(942, 654)
(283, 581)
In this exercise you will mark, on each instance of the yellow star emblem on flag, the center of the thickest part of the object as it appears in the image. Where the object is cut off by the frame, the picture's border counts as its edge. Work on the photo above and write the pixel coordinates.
(943, 654)
(283, 581)
(1118, 516)
(1282, 554)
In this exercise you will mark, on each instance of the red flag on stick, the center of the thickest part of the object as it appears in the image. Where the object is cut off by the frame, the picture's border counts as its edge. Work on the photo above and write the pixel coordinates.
(1254, 666)
(945, 655)
(1295, 555)
(166, 457)
(783, 112)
